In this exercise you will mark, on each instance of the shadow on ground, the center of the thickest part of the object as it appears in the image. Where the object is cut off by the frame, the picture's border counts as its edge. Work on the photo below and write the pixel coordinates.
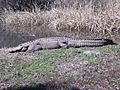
(47, 86)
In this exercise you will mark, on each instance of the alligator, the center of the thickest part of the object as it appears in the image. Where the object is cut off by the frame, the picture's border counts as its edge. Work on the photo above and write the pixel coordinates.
(58, 42)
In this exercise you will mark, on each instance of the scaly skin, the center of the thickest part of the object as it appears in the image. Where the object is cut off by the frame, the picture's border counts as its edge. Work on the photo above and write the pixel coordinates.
(57, 42)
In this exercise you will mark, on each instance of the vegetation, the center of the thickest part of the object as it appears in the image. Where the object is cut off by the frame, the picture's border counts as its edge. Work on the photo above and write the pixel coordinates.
(60, 69)
(72, 21)
(70, 63)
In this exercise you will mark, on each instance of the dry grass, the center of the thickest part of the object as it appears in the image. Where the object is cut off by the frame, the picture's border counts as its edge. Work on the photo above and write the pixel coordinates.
(72, 21)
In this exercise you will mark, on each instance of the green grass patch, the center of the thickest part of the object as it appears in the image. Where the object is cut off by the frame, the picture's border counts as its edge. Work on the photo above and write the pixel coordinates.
(62, 54)
(43, 66)
(2, 66)
(112, 48)
(91, 60)
(67, 54)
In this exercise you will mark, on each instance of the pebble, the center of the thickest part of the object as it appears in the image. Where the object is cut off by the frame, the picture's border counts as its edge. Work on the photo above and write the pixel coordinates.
(91, 52)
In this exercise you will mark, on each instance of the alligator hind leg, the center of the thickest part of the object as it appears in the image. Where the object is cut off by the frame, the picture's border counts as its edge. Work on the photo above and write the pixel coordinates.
(63, 45)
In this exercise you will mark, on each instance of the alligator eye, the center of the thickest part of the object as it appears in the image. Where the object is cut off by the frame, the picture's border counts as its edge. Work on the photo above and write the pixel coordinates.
(65, 42)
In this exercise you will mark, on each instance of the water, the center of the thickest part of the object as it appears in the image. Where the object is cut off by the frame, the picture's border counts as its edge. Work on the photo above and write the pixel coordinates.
(10, 39)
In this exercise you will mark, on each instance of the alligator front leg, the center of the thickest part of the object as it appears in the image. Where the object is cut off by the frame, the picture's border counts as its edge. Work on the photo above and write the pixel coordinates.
(33, 48)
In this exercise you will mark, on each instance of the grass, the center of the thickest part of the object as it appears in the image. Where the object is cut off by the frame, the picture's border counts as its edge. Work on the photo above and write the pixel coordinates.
(111, 48)
(46, 66)
(72, 20)
(2, 64)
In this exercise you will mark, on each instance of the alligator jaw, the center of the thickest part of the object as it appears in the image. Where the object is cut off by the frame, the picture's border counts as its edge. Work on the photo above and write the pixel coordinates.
(15, 49)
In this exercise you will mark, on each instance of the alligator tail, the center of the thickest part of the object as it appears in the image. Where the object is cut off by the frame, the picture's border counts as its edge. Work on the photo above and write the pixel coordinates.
(90, 43)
